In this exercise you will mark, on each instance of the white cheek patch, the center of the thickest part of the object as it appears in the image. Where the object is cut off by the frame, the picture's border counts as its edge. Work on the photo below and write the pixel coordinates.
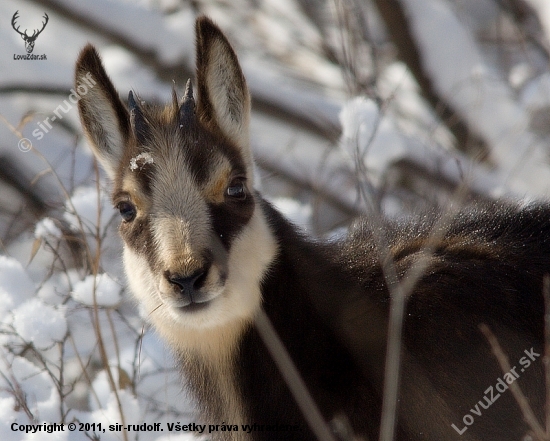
(141, 280)
(251, 254)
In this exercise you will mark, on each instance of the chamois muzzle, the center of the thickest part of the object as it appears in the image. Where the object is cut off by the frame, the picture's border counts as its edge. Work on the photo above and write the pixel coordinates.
(189, 286)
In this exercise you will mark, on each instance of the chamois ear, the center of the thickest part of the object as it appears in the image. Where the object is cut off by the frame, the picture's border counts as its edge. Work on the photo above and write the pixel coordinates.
(223, 97)
(104, 117)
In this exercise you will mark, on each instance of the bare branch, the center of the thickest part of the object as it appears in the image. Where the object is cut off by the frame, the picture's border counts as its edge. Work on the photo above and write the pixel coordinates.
(399, 29)
(521, 399)
(292, 377)
(263, 100)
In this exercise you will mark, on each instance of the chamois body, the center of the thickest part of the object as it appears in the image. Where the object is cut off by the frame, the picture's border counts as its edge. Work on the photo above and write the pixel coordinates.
(204, 252)
(329, 303)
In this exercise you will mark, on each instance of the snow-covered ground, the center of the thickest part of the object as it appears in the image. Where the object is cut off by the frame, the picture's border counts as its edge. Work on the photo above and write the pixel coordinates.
(74, 347)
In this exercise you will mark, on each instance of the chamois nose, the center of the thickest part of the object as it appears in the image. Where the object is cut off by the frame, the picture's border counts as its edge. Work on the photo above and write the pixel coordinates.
(188, 284)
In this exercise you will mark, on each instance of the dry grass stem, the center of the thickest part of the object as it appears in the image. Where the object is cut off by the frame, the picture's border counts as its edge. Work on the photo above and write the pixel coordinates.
(521, 399)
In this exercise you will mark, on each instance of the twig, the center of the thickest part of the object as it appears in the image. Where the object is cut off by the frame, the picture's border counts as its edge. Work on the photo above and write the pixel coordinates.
(521, 399)
(397, 23)
(181, 70)
(397, 296)
(84, 369)
(292, 377)
(95, 311)
(528, 23)
(399, 289)
(43, 89)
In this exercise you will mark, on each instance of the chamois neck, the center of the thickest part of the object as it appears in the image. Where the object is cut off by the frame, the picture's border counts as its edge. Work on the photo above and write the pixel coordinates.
(310, 285)
(301, 272)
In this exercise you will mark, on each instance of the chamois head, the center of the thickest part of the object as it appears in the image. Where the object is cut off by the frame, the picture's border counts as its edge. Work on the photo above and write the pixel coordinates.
(182, 180)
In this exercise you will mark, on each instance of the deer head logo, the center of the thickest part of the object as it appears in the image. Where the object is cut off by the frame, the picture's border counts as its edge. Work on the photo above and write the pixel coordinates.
(29, 39)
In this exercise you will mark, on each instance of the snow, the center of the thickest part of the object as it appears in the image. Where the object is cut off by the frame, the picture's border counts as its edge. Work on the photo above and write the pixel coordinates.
(461, 74)
(536, 93)
(267, 84)
(40, 324)
(100, 291)
(15, 285)
(110, 413)
(299, 214)
(31, 379)
(53, 291)
(86, 207)
(543, 9)
(368, 134)
(46, 228)
(7, 416)
(48, 307)
(140, 161)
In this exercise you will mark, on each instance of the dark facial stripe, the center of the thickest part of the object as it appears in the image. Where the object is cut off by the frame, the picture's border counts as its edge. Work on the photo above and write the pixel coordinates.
(144, 175)
(229, 218)
(137, 235)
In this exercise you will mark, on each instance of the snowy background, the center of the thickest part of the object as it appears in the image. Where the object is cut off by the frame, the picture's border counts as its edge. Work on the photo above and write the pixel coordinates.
(359, 106)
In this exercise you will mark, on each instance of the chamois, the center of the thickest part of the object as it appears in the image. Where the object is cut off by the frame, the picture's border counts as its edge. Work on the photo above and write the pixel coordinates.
(204, 253)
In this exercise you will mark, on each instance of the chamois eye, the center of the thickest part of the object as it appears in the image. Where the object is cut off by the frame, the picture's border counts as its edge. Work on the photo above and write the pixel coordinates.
(127, 210)
(237, 189)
